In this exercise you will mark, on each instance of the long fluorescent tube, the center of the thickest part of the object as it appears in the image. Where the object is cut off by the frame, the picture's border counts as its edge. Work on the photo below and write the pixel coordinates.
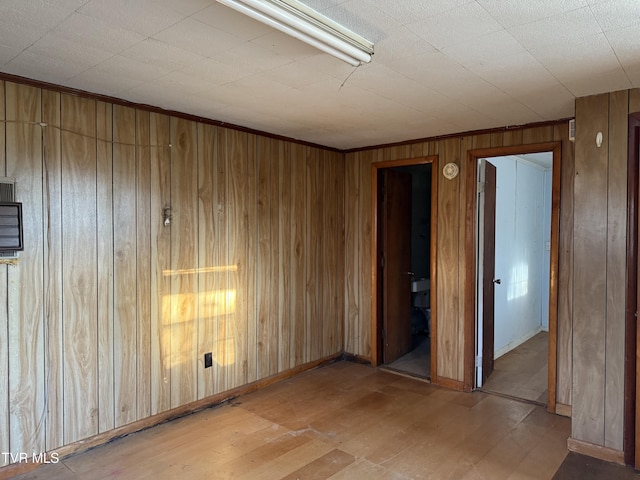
(301, 22)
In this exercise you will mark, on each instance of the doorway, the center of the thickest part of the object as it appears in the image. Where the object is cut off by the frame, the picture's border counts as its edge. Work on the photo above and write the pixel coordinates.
(521, 336)
(403, 280)
(516, 258)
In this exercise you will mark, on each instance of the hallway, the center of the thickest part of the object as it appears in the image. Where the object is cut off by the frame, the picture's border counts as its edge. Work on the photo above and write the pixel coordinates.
(522, 372)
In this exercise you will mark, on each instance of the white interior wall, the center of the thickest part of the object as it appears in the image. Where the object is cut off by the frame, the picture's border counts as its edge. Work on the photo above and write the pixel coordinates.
(522, 233)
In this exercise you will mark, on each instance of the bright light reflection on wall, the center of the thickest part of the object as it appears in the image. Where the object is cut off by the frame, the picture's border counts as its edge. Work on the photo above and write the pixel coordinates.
(191, 271)
(519, 283)
(182, 312)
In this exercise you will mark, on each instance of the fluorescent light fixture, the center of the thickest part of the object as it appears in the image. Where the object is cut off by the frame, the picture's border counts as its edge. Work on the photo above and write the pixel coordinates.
(304, 23)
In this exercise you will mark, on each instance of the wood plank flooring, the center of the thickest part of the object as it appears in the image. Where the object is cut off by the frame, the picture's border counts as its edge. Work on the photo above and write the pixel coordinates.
(342, 421)
(522, 372)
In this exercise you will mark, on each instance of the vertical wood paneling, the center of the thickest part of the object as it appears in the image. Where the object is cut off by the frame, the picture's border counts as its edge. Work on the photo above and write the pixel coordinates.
(266, 268)
(340, 239)
(328, 264)
(79, 352)
(251, 202)
(238, 255)
(365, 228)
(397, 152)
(590, 241)
(616, 268)
(143, 256)
(52, 224)
(314, 314)
(160, 308)
(565, 269)
(448, 334)
(26, 309)
(226, 301)
(419, 149)
(456, 336)
(274, 258)
(512, 137)
(481, 141)
(184, 257)
(208, 246)
(285, 326)
(79, 270)
(124, 265)
(352, 288)
(634, 100)
(497, 139)
(298, 254)
(105, 264)
(333, 248)
(537, 134)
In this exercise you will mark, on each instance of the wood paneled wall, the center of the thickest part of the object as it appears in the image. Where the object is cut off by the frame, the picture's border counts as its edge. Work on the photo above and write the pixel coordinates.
(452, 266)
(599, 283)
(107, 316)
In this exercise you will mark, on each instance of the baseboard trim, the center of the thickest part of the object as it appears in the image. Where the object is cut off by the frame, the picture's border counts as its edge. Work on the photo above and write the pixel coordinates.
(15, 469)
(448, 383)
(517, 342)
(597, 451)
(350, 357)
(564, 410)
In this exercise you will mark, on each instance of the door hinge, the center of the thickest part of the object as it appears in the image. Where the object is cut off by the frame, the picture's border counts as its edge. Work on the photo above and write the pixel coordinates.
(479, 361)
(382, 261)
(383, 334)
(481, 187)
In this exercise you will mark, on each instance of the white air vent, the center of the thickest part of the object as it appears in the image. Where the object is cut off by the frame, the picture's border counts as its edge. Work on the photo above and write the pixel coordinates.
(7, 194)
(572, 130)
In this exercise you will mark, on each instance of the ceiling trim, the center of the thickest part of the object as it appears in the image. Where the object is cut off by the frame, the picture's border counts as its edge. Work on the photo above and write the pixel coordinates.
(150, 108)
(548, 123)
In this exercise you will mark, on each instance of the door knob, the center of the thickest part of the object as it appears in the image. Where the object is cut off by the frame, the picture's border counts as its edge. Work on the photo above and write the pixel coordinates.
(497, 280)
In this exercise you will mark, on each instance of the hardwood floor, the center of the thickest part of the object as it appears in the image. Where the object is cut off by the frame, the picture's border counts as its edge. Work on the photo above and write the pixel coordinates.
(522, 372)
(342, 421)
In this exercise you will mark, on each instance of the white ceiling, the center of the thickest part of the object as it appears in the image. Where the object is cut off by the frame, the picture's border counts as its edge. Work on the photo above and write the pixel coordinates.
(440, 66)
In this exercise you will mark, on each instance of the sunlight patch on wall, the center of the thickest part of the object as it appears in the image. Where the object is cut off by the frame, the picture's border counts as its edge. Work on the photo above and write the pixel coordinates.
(519, 283)
(181, 313)
(191, 271)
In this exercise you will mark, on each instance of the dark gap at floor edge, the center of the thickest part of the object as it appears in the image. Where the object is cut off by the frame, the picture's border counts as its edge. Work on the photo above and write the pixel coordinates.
(511, 397)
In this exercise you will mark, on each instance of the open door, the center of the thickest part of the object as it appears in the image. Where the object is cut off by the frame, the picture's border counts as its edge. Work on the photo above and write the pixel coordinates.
(396, 254)
(486, 268)
(632, 332)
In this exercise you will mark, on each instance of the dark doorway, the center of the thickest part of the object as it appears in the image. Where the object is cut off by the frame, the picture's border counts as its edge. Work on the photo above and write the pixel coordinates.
(404, 266)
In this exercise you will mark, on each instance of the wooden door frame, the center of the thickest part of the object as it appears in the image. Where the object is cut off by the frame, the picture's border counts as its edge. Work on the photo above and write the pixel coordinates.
(376, 247)
(470, 253)
(631, 429)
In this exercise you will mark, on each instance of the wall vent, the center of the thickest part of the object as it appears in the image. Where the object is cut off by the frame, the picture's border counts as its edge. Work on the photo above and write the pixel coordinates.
(7, 195)
(572, 130)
